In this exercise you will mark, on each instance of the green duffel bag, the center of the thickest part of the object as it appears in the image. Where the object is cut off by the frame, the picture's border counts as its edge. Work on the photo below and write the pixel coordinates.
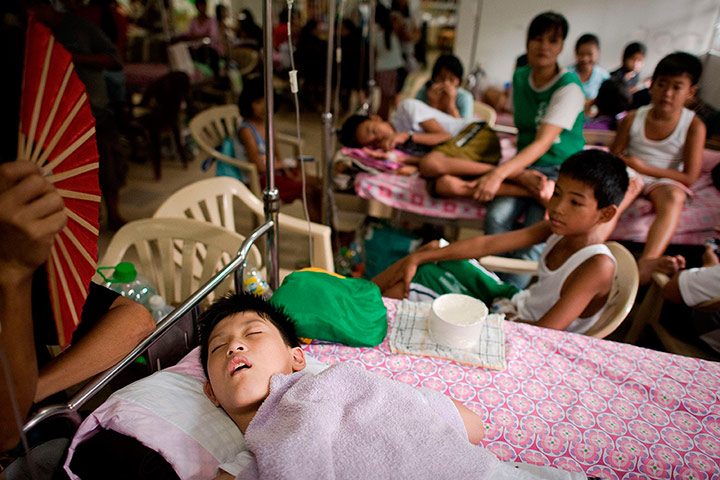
(330, 307)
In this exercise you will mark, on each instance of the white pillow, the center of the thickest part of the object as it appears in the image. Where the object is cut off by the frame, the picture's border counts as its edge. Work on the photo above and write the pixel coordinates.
(169, 413)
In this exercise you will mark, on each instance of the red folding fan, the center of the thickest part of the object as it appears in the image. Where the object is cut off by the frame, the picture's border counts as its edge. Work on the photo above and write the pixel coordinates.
(57, 132)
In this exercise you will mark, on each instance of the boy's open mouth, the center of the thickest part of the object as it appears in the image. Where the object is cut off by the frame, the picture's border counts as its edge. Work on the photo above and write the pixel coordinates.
(237, 364)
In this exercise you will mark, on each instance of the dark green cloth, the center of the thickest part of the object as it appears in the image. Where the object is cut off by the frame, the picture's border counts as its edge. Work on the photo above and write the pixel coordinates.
(333, 308)
(466, 277)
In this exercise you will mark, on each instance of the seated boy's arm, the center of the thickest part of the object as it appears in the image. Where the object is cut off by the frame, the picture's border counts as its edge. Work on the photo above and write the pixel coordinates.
(472, 421)
(404, 269)
(247, 139)
(622, 136)
(591, 280)
(433, 133)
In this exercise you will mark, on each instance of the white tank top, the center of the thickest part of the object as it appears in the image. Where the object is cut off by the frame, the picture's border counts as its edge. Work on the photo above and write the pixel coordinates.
(666, 153)
(535, 301)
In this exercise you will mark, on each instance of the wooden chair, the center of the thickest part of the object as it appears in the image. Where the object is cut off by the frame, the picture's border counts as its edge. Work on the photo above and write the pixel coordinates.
(211, 200)
(648, 314)
(209, 129)
(155, 242)
(622, 293)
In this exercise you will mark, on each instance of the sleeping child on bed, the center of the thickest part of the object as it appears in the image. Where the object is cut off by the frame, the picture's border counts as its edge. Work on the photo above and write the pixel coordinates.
(344, 422)
(576, 269)
(444, 147)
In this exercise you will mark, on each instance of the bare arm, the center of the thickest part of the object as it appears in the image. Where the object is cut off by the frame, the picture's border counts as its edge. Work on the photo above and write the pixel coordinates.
(30, 216)
(404, 269)
(119, 330)
(692, 158)
(622, 137)
(251, 148)
(489, 184)
(590, 281)
(472, 421)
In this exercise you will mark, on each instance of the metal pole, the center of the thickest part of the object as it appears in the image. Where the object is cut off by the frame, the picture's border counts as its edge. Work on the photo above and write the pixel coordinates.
(327, 119)
(98, 383)
(476, 34)
(368, 106)
(271, 198)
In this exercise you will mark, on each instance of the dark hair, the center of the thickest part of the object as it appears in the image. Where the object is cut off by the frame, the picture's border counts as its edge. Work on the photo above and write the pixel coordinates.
(253, 88)
(232, 304)
(521, 61)
(679, 63)
(613, 97)
(633, 48)
(602, 171)
(548, 22)
(587, 38)
(348, 132)
(450, 63)
(382, 18)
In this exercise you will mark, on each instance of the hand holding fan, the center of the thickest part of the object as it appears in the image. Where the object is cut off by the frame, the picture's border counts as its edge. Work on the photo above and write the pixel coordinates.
(57, 132)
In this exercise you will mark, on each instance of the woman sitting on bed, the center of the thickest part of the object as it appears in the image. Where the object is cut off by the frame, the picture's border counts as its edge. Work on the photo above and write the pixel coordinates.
(344, 422)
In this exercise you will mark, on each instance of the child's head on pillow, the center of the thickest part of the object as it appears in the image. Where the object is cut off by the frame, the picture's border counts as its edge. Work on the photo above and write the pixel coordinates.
(244, 342)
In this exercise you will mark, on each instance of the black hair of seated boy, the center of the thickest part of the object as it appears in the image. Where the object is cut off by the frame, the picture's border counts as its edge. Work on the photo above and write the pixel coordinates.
(604, 172)
(233, 304)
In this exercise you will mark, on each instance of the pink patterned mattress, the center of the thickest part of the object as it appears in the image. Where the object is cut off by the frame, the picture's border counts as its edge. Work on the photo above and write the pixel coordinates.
(613, 410)
(410, 194)
(696, 221)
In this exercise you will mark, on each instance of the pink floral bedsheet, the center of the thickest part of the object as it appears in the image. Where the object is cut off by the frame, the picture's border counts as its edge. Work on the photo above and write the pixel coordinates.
(613, 410)
(696, 221)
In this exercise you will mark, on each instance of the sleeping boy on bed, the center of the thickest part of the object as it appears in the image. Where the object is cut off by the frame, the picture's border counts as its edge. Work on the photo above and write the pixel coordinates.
(575, 272)
(446, 149)
(344, 422)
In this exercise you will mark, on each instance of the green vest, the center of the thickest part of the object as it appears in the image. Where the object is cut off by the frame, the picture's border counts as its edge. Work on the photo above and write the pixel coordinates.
(530, 107)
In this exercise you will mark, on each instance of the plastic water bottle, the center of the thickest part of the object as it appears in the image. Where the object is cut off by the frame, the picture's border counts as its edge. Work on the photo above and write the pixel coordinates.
(159, 308)
(129, 283)
(254, 282)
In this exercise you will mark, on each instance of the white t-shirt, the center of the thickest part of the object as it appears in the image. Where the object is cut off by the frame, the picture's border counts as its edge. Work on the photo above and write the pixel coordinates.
(565, 104)
(411, 113)
(698, 285)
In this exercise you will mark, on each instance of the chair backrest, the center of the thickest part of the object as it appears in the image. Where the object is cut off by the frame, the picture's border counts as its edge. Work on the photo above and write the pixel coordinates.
(622, 293)
(483, 111)
(211, 200)
(155, 242)
(211, 127)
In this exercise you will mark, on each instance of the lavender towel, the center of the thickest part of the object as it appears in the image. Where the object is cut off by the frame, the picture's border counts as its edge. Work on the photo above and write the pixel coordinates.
(347, 422)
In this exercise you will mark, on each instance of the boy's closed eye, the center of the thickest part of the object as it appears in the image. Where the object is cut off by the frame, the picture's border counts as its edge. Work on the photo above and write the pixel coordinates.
(217, 347)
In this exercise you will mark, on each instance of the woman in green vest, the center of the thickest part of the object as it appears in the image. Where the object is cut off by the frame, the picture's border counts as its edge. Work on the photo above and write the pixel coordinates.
(549, 105)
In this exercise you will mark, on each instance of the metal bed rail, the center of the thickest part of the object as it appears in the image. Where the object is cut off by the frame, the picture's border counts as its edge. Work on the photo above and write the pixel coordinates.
(70, 410)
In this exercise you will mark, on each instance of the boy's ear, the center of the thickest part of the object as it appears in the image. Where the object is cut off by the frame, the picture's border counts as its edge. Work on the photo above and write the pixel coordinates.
(298, 359)
(207, 388)
(607, 213)
(692, 92)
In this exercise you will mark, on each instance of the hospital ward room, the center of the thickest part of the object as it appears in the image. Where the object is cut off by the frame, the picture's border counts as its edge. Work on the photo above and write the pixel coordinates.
(343, 239)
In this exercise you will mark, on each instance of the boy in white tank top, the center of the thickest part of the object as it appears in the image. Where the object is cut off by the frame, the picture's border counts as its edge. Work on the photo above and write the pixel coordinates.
(662, 146)
(576, 270)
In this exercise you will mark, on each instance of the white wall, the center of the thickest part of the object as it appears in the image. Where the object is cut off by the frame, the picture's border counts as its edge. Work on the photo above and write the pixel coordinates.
(663, 25)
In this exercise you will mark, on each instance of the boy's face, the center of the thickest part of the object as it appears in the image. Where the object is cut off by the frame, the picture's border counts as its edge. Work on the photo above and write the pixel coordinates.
(244, 351)
(544, 49)
(670, 92)
(634, 63)
(587, 55)
(373, 131)
(446, 76)
(573, 208)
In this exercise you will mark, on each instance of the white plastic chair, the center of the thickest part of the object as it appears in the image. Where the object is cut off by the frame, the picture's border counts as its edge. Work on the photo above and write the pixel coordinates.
(155, 242)
(209, 129)
(483, 111)
(211, 200)
(622, 293)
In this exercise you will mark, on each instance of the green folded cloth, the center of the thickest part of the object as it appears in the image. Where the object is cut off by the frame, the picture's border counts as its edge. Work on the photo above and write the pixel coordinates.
(330, 307)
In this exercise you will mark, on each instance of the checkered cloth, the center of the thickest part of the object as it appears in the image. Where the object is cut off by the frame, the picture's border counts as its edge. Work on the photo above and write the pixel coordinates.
(409, 335)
